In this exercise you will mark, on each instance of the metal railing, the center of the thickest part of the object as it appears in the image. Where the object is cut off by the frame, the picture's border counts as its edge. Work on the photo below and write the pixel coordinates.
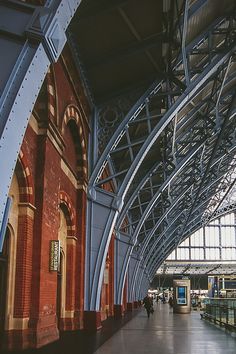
(221, 311)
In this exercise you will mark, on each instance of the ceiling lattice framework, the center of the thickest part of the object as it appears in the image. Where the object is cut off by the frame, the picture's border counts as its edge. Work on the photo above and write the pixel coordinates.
(171, 155)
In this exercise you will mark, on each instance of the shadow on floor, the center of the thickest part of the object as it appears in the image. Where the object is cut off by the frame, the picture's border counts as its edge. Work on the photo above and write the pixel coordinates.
(81, 342)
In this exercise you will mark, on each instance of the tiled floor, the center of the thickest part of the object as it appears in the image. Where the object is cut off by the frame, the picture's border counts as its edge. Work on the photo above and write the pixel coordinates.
(168, 333)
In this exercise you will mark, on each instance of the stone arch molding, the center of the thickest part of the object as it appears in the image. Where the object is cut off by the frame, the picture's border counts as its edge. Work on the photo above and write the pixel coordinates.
(66, 234)
(10, 321)
(73, 113)
(64, 199)
(52, 97)
(25, 179)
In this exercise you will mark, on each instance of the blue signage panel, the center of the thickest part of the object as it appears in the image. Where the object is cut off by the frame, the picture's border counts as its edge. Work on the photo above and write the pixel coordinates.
(181, 295)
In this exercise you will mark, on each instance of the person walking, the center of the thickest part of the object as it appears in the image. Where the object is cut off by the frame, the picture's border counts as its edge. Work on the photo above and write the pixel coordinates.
(148, 304)
(171, 301)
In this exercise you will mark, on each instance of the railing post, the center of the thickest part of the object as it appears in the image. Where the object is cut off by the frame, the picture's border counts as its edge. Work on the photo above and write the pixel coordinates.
(220, 310)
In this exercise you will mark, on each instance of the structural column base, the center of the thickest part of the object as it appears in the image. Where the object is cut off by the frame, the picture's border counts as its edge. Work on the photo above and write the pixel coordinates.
(68, 324)
(130, 306)
(118, 311)
(92, 320)
(43, 330)
(15, 340)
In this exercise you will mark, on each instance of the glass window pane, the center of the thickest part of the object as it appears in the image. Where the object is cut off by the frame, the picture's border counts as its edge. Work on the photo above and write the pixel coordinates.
(212, 236)
(182, 253)
(225, 253)
(214, 222)
(185, 243)
(233, 237)
(228, 253)
(228, 236)
(207, 236)
(172, 255)
(197, 253)
(185, 253)
(197, 238)
(232, 219)
(227, 219)
(212, 253)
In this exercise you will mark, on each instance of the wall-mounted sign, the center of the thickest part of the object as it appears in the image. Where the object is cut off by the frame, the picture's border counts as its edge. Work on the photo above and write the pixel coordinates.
(54, 259)
(106, 276)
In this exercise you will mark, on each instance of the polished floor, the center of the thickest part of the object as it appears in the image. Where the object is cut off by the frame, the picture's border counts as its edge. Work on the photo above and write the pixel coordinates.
(168, 333)
(162, 333)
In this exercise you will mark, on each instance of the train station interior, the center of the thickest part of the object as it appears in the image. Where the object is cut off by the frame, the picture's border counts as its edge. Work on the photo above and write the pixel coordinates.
(118, 176)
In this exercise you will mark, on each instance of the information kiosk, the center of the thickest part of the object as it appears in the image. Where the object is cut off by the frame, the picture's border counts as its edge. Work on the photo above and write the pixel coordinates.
(181, 292)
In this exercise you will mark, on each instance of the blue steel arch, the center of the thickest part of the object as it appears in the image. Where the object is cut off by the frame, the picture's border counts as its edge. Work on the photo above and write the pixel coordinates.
(221, 212)
(151, 205)
(133, 115)
(178, 170)
(197, 222)
(151, 253)
(157, 253)
(199, 215)
(157, 167)
(109, 205)
(156, 262)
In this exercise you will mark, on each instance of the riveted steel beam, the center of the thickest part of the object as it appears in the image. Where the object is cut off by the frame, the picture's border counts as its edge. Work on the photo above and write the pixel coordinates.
(170, 246)
(132, 116)
(217, 143)
(30, 38)
(145, 214)
(181, 176)
(147, 239)
(150, 255)
(197, 79)
(157, 262)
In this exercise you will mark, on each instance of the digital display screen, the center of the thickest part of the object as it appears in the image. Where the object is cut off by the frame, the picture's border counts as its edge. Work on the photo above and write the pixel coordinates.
(181, 295)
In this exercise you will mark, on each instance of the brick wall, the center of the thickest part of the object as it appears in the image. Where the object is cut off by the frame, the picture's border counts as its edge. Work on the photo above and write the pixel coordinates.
(46, 144)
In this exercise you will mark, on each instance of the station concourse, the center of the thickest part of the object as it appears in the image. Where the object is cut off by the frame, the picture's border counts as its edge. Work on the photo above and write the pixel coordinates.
(117, 165)
(168, 334)
(164, 333)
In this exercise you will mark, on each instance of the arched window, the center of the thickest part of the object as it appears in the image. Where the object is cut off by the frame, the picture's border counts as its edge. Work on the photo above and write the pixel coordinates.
(216, 241)
(61, 276)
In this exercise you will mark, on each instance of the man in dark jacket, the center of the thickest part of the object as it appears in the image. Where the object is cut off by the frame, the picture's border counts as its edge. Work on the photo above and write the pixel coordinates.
(148, 304)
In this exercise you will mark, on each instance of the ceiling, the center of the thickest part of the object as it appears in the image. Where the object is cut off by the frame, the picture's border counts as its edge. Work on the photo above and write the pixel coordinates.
(119, 49)
(123, 45)
(168, 151)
